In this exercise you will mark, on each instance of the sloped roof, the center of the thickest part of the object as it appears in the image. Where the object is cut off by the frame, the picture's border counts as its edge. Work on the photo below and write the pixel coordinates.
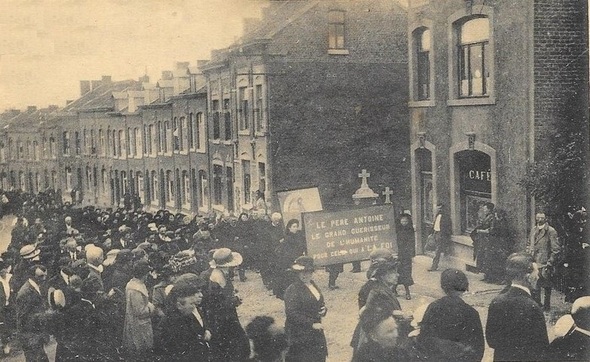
(276, 17)
(30, 121)
(102, 96)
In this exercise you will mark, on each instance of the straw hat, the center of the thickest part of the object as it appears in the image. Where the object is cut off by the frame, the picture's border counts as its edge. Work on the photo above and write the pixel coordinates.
(29, 251)
(225, 258)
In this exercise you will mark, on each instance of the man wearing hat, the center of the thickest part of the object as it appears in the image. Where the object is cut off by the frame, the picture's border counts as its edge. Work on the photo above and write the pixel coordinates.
(29, 256)
(575, 345)
(31, 308)
(124, 241)
(185, 336)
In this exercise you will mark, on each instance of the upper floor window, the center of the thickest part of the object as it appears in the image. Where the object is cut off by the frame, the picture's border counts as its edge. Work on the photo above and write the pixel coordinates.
(200, 130)
(191, 131)
(78, 142)
(138, 148)
(216, 125)
(422, 46)
(182, 133)
(175, 134)
(66, 143)
(336, 29)
(473, 57)
(259, 110)
(227, 120)
(243, 108)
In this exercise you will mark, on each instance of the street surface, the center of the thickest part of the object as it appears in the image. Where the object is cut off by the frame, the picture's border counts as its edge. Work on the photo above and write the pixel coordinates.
(342, 307)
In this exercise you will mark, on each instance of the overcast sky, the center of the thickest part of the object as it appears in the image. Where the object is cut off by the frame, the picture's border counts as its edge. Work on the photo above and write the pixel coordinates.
(48, 46)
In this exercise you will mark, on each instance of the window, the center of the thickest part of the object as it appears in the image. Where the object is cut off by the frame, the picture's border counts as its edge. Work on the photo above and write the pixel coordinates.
(336, 29)
(129, 137)
(243, 108)
(122, 145)
(36, 153)
(473, 55)
(159, 136)
(186, 189)
(86, 138)
(78, 142)
(229, 174)
(217, 184)
(167, 137)
(68, 179)
(262, 176)
(170, 192)
(101, 142)
(138, 142)
(216, 125)
(182, 133)
(151, 136)
(2, 154)
(258, 108)
(203, 199)
(155, 187)
(191, 131)
(66, 143)
(52, 148)
(175, 135)
(422, 39)
(114, 139)
(200, 136)
(104, 179)
(246, 177)
(227, 120)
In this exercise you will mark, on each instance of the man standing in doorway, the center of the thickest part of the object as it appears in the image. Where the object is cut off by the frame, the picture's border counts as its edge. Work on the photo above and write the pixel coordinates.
(442, 234)
(544, 247)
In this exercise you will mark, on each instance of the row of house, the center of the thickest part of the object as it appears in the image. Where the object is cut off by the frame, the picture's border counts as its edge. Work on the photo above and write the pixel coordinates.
(313, 92)
(443, 101)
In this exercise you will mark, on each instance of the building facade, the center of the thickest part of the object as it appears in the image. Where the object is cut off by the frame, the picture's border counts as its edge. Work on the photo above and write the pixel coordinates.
(489, 83)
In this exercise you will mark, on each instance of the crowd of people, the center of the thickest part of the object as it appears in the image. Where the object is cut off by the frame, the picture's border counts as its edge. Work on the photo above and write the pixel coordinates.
(127, 284)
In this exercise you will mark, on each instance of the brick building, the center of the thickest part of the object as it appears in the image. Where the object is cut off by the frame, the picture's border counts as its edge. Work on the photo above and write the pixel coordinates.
(312, 93)
(490, 82)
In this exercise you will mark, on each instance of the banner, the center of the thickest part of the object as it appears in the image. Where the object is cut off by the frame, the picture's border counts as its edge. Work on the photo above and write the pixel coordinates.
(295, 202)
(350, 235)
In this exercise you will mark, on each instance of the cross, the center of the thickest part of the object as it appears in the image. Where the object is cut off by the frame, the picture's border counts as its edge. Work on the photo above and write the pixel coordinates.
(364, 175)
(387, 193)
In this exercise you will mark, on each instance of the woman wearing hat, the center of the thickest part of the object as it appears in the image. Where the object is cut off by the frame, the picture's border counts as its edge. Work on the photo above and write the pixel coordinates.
(304, 309)
(383, 278)
(291, 247)
(228, 339)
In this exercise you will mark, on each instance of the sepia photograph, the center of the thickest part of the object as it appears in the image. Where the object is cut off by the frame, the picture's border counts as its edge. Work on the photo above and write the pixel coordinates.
(294, 180)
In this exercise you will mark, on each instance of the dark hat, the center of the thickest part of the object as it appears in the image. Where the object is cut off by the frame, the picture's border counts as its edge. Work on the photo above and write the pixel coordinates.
(303, 263)
(581, 312)
(189, 280)
(141, 267)
(381, 268)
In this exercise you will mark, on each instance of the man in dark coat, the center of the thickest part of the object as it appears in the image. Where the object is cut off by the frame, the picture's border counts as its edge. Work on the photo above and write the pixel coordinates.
(442, 231)
(185, 336)
(515, 326)
(31, 314)
(574, 346)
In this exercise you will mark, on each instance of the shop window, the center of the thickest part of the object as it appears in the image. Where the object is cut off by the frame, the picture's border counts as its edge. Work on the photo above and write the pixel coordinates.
(475, 178)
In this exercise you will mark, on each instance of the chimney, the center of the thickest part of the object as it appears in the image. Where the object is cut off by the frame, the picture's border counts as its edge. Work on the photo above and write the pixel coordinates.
(84, 87)
(106, 79)
(182, 65)
(166, 75)
(144, 79)
(31, 109)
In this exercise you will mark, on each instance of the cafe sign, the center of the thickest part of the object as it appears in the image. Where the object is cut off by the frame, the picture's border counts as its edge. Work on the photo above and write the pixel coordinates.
(350, 235)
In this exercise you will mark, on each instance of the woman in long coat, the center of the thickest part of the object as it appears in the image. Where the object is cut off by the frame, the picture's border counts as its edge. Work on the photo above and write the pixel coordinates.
(406, 247)
(229, 342)
(138, 338)
(304, 308)
(292, 247)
